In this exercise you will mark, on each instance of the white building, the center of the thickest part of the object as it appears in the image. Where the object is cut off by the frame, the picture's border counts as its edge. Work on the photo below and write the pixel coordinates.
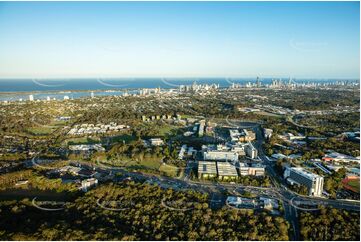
(31, 97)
(181, 152)
(239, 150)
(88, 183)
(234, 134)
(85, 147)
(300, 176)
(156, 142)
(241, 202)
(251, 151)
(267, 133)
(218, 155)
(201, 128)
(291, 136)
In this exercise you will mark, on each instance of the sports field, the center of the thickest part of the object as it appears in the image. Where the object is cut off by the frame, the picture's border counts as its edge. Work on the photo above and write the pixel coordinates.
(352, 184)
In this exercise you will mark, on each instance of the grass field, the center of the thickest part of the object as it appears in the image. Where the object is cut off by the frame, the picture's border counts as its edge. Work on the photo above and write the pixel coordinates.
(169, 170)
(46, 129)
(119, 139)
(82, 140)
(41, 130)
(152, 163)
(166, 129)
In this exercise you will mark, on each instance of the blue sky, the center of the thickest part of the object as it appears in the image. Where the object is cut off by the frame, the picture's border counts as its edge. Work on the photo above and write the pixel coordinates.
(180, 39)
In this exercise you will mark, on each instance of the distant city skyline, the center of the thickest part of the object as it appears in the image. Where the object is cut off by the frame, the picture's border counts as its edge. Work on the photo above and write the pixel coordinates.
(180, 39)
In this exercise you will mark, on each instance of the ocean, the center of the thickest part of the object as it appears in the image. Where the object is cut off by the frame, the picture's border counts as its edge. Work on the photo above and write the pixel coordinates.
(15, 89)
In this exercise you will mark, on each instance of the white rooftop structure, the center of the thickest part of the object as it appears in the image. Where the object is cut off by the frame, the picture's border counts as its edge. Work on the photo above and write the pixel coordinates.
(305, 172)
(217, 155)
(234, 134)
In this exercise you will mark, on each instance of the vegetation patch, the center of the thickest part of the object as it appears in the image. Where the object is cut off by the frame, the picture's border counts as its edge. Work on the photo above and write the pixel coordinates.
(330, 224)
(146, 219)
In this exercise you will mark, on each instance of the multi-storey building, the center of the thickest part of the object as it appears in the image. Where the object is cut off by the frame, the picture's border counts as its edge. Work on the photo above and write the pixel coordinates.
(251, 151)
(298, 175)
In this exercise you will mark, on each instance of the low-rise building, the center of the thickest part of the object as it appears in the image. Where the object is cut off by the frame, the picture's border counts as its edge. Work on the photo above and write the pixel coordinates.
(292, 137)
(268, 203)
(241, 202)
(241, 136)
(337, 157)
(97, 147)
(22, 182)
(207, 169)
(226, 170)
(156, 142)
(278, 156)
(218, 155)
(239, 150)
(88, 183)
(69, 169)
(250, 169)
(247, 136)
(234, 134)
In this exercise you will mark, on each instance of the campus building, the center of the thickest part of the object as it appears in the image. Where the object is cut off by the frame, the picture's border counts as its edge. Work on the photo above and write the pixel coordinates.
(241, 136)
(88, 183)
(247, 136)
(267, 133)
(207, 169)
(156, 142)
(226, 170)
(246, 169)
(251, 151)
(201, 126)
(219, 155)
(300, 176)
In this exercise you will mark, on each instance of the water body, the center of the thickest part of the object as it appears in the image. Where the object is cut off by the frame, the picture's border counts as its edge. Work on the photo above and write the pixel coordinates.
(15, 89)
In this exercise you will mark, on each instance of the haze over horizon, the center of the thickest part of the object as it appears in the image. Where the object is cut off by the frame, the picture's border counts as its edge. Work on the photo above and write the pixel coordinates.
(180, 39)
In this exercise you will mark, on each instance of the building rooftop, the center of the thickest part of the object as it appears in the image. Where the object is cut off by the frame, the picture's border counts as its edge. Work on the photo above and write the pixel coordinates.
(226, 169)
(207, 167)
(305, 172)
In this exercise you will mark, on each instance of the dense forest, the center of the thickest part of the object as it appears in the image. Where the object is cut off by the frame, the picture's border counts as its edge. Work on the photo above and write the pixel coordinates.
(140, 216)
(330, 224)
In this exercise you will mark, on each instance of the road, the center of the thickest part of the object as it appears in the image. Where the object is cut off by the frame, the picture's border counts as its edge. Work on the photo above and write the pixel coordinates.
(286, 195)
(216, 190)
(278, 191)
